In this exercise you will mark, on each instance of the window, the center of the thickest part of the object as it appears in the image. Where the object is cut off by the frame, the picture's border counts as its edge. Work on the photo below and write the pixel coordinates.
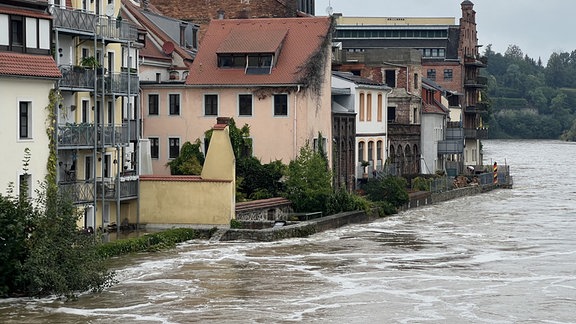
(16, 31)
(110, 113)
(259, 64)
(369, 107)
(379, 113)
(245, 105)
(25, 185)
(85, 111)
(154, 147)
(362, 104)
(232, 61)
(211, 105)
(415, 81)
(379, 150)
(85, 53)
(448, 74)
(174, 147)
(107, 165)
(391, 114)
(174, 100)
(370, 151)
(390, 76)
(24, 120)
(280, 105)
(431, 74)
(153, 104)
(88, 172)
(360, 151)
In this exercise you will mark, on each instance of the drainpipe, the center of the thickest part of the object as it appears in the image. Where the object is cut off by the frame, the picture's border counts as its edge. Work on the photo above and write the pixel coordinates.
(295, 126)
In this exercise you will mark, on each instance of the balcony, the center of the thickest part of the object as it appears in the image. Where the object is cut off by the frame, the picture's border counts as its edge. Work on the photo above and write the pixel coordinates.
(77, 136)
(453, 134)
(478, 82)
(476, 133)
(85, 23)
(76, 78)
(451, 147)
(480, 61)
(117, 83)
(478, 108)
(82, 191)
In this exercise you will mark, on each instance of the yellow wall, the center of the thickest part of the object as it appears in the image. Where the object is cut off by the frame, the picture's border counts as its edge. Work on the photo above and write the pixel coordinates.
(185, 202)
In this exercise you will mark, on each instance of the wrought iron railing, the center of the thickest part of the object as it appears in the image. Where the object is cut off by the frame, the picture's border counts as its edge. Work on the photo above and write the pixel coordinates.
(79, 192)
(82, 191)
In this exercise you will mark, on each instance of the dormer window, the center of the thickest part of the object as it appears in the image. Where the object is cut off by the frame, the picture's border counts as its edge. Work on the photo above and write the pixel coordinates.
(250, 51)
(259, 64)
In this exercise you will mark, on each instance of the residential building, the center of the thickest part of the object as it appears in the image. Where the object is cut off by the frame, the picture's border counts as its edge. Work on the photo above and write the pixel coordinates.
(28, 74)
(261, 73)
(97, 127)
(450, 58)
(401, 70)
(370, 100)
(438, 142)
(344, 139)
(169, 48)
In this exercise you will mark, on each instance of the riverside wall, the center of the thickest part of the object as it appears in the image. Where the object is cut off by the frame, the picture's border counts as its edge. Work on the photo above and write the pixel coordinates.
(306, 228)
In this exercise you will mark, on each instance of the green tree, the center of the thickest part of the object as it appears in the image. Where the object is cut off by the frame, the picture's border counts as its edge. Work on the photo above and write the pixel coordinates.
(189, 161)
(309, 180)
(389, 189)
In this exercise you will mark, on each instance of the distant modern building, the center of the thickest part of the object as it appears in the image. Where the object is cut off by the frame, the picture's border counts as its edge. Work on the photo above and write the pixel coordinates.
(28, 74)
(450, 57)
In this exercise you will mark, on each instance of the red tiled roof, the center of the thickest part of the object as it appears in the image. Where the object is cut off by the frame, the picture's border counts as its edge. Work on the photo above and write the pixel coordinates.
(303, 38)
(18, 64)
(252, 41)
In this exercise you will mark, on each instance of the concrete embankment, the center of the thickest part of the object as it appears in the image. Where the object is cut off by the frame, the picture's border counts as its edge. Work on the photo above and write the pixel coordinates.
(306, 228)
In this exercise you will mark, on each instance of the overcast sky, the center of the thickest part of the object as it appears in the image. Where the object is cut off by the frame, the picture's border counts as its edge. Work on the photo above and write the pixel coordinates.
(538, 27)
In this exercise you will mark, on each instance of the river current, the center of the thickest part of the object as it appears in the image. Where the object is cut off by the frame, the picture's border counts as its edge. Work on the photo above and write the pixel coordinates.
(506, 256)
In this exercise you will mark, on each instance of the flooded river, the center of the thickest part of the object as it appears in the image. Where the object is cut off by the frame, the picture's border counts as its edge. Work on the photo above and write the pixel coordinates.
(507, 256)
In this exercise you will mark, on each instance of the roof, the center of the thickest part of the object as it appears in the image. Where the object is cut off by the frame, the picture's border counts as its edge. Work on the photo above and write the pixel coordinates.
(24, 12)
(142, 17)
(29, 65)
(252, 41)
(303, 37)
(357, 79)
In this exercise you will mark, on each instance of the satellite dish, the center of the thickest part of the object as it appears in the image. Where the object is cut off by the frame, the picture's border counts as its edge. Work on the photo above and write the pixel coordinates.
(168, 48)
(329, 10)
(109, 10)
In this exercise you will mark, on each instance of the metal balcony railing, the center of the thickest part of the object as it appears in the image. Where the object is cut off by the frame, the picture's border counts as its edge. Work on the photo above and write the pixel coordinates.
(117, 83)
(476, 133)
(76, 78)
(82, 135)
(89, 23)
(451, 147)
(82, 191)
(478, 82)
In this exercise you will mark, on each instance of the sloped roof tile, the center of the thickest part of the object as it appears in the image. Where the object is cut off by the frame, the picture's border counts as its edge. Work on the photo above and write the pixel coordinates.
(252, 41)
(303, 38)
(18, 64)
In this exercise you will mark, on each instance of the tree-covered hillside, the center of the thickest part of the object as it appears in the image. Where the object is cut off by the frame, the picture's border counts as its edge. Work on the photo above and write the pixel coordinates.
(530, 100)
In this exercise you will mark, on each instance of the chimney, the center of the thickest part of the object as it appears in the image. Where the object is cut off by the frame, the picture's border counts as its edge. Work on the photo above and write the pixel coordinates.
(220, 14)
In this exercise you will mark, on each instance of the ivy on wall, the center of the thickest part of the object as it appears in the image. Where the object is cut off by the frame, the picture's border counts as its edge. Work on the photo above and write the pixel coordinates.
(54, 99)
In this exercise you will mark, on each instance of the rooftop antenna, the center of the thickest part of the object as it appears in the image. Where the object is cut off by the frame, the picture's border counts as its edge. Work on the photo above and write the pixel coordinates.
(329, 9)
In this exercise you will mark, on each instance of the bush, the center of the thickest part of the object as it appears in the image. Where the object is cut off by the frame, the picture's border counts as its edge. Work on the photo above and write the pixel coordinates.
(421, 184)
(342, 201)
(43, 252)
(148, 242)
(389, 189)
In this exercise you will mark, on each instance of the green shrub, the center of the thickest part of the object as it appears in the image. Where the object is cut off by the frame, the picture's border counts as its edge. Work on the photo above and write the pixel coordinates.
(421, 184)
(147, 243)
(389, 189)
(235, 224)
(343, 201)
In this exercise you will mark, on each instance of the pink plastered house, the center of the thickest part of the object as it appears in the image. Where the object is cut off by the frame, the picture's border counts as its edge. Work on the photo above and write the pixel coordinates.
(272, 74)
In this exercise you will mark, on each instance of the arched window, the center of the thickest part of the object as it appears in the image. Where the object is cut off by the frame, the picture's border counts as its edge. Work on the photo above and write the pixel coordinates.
(370, 151)
(379, 113)
(360, 151)
(379, 150)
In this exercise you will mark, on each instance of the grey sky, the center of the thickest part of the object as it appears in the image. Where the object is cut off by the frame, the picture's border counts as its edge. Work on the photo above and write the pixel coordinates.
(538, 27)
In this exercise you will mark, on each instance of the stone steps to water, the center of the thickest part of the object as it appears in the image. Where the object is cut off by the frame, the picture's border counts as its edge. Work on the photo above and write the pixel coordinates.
(218, 235)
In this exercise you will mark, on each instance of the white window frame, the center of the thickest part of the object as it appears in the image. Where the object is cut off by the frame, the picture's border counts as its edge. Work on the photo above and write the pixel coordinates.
(251, 106)
(179, 103)
(204, 104)
(168, 146)
(30, 135)
(274, 105)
